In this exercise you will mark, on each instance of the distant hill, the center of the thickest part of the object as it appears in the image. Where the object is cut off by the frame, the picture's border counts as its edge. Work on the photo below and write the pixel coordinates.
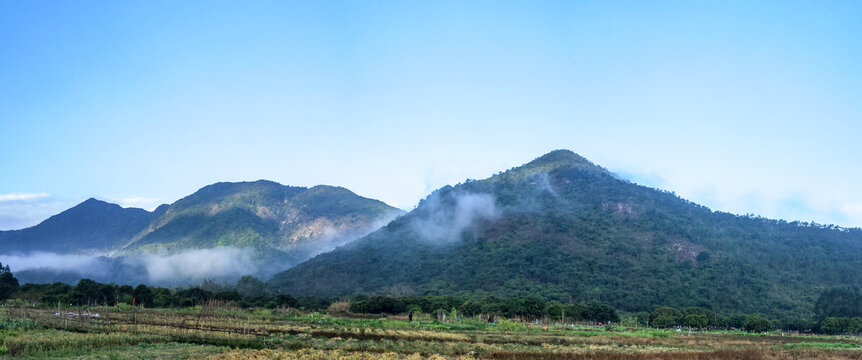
(569, 230)
(265, 215)
(273, 224)
(91, 226)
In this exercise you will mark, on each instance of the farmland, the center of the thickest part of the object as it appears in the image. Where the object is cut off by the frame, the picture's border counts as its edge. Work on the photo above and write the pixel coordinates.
(228, 333)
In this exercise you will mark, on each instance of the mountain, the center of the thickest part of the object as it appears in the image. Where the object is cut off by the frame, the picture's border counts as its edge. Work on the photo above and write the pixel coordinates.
(91, 226)
(264, 215)
(221, 231)
(565, 229)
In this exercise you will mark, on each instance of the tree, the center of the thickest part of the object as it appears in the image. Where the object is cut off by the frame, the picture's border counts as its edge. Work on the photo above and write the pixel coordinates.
(834, 325)
(842, 302)
(8, 285)
(285, 300)
(736, 321)
(554, 310)
(597, 311)
(757, 323)
(251, 287)
(469, 308)
(144, 295)
(664, 317)
(694, 320)
(86, 292)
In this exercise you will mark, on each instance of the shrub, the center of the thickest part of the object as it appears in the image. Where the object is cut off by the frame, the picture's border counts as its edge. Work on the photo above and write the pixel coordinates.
(339, 307)
(509, 325)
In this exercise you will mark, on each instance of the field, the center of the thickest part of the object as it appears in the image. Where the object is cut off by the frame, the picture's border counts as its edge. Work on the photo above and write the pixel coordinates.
(225, 333)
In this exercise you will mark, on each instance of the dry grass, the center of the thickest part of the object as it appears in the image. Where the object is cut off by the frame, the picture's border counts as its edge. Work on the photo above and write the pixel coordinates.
(264, 335)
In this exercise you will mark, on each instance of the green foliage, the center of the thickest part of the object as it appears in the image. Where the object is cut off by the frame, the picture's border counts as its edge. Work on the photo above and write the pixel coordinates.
(572, 232)
(839, 302)
(8, 285)
(841, 325)
(508, 325)
(19, 324)
(694, 320)
(757, 323)
(664, 317)
(822, 345)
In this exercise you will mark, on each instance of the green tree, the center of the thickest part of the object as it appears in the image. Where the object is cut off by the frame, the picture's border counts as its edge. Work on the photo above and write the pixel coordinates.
(143, 295)
(600, 312)
(757, 323)
(664, 317)
(86, 292)
(8, 285)
(554, 310)
(694, 320)
(251, 287)
(841, 302)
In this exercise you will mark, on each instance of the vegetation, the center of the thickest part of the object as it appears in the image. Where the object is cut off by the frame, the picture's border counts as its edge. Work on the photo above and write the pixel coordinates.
(222, 332)
(278, 224)
(566, 230)
(250, 292)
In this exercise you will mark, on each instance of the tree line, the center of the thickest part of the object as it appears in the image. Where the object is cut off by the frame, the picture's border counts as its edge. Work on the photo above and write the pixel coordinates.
(837, 311)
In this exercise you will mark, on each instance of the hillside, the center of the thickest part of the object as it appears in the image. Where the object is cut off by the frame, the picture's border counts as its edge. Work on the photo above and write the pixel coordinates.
(569, 230)
(91, 226)
(263, 215)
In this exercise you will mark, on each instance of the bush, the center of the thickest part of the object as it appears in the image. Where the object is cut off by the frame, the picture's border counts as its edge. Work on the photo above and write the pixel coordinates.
(338, 307)
(509, 325)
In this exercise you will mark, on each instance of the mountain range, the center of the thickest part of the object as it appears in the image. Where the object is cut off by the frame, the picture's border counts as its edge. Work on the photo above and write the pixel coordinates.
(272, 223)
(559, 227)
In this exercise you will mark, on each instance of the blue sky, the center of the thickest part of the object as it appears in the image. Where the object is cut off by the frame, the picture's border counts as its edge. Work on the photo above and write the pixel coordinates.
(747, 107)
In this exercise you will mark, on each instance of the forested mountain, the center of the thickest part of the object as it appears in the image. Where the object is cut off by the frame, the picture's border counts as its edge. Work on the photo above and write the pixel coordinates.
(91, 226)
(250, 224)
(263, 214)
(566, 229)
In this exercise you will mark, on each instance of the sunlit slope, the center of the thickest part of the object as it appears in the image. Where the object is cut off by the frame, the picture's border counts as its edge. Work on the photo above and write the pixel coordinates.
(263, 214)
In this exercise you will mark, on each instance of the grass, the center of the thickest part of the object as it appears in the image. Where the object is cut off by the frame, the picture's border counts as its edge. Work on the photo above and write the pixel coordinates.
(234, 333)
(823, 345)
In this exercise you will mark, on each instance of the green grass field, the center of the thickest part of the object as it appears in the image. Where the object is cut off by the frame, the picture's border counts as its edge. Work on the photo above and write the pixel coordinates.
(224, 333)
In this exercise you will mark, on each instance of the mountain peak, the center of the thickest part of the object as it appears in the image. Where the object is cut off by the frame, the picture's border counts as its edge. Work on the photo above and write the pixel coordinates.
(560, 157)
(555, 160)
(94, 203)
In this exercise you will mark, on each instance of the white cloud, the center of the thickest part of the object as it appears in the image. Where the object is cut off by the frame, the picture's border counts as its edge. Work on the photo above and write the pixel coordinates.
(18, 211)
(137, 202)
(22, 197)
(198, 264)
(45, 260)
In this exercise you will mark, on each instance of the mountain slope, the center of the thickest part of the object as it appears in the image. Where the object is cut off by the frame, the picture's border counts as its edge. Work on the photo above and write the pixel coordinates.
(265, 215)
(566, 229)
(91, 226)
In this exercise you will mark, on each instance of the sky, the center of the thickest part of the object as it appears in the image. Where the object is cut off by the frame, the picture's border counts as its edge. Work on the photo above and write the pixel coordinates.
(742, 106)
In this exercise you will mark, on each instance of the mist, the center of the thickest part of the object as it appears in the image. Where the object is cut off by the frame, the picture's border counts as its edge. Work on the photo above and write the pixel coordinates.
(225, 264)
(333, 238)
(47, 260)
(186, 267)
(196, 264)
(447, 214)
